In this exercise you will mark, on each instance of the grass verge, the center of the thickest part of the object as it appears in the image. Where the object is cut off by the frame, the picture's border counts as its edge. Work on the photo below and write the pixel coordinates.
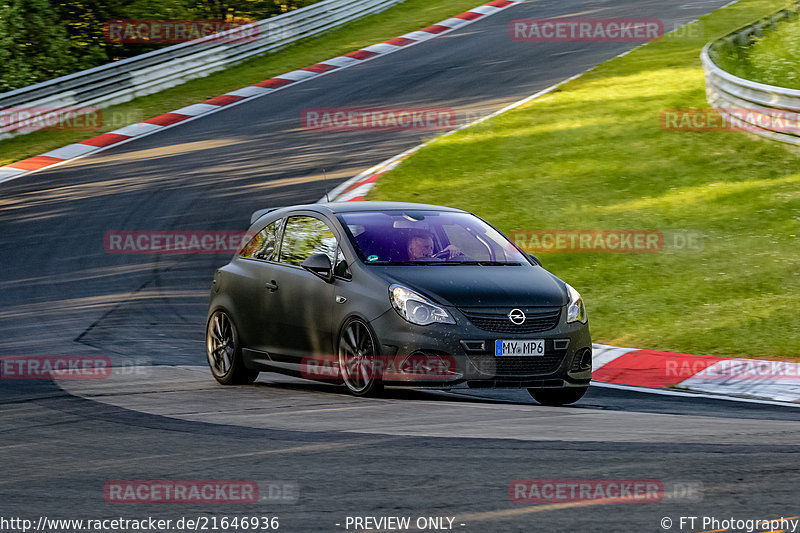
(409, 16)
(593, 155)
(771, 59)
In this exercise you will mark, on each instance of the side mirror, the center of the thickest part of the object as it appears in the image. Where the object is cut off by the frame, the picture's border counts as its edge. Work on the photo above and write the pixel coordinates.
(319, 265)
(534, 259)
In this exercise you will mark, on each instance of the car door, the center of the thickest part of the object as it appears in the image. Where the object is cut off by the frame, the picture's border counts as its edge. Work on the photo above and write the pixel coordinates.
(256, 303)
(303, 302)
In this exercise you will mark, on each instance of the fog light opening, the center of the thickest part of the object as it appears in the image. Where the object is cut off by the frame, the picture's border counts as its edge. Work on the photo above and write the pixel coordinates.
(586, 359)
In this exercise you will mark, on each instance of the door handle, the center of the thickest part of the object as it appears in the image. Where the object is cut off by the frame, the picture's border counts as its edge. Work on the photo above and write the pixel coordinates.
(271, 285)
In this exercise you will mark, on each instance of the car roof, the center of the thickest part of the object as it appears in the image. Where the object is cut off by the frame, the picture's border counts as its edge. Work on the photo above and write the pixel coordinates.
(353, 207)
(349, 207)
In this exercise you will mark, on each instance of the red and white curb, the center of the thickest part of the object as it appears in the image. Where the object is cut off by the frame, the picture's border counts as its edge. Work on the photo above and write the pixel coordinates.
(356, 188)
(750, 378)
(185, 114)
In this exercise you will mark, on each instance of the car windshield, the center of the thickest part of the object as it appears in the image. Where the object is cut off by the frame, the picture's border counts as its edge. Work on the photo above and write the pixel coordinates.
(428, 237)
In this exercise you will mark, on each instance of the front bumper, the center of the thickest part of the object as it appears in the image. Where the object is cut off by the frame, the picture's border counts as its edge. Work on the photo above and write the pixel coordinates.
(464, 353)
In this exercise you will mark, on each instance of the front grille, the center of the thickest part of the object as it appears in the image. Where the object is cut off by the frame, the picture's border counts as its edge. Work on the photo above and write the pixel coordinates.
(515, 366)
(496, 320)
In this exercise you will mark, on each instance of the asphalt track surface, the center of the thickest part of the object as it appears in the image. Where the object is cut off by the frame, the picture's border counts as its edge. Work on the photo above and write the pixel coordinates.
(410, 453)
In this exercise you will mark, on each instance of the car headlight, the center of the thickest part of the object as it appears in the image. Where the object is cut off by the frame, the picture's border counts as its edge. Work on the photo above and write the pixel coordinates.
(416, 308)
(576, 311)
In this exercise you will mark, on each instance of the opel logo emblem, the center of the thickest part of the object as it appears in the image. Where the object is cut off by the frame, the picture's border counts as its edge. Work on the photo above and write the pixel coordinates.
(516, 316)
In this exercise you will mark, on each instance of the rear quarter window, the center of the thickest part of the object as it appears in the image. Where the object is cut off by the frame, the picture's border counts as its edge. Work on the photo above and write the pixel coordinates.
(264, 244)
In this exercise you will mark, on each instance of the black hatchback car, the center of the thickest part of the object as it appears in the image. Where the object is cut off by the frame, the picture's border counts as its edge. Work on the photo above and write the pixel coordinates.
(381, 293)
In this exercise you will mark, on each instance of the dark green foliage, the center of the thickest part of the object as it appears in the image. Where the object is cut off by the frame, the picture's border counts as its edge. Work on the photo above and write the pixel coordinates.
(34, 45)
(44, 39)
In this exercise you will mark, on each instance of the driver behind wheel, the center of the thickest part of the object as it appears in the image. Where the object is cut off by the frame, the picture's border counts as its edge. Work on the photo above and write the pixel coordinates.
(420, 248)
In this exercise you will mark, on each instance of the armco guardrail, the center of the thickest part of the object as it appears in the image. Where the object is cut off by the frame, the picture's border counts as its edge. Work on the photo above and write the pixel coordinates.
(148, 73)
(766, 110)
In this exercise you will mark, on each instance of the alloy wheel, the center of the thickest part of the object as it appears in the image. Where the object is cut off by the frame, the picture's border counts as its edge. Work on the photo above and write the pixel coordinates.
(357, 358)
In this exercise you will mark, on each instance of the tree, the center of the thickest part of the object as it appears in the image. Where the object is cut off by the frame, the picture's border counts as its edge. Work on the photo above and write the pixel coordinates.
(44, 39)
(33, 44)
(249, 9)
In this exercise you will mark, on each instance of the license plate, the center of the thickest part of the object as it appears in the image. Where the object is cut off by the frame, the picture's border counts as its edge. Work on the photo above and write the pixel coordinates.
(533, 348)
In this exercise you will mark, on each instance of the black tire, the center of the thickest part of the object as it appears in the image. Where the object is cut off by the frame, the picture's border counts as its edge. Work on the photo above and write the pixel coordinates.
(224, 353)
(359, 360)
(558, 397)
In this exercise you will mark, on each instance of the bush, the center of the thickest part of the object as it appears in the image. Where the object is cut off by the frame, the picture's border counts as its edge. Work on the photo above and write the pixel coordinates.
(770, 59)
(774, 56)
(44, 39)
(34, 45)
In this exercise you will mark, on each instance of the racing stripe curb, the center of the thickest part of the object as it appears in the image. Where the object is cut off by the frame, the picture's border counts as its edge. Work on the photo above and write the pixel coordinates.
(730, 376)
(289, 79)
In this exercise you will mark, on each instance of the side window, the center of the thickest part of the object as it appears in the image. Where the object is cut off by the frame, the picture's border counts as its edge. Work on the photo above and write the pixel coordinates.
(264, 245)
(305, 236)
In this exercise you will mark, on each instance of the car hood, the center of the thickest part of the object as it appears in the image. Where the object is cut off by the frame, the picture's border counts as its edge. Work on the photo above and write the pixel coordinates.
(482, 286)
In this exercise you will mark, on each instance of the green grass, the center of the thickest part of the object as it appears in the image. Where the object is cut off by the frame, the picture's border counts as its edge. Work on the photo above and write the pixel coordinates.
(409, 16)
(593, 155)
(771, 59)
